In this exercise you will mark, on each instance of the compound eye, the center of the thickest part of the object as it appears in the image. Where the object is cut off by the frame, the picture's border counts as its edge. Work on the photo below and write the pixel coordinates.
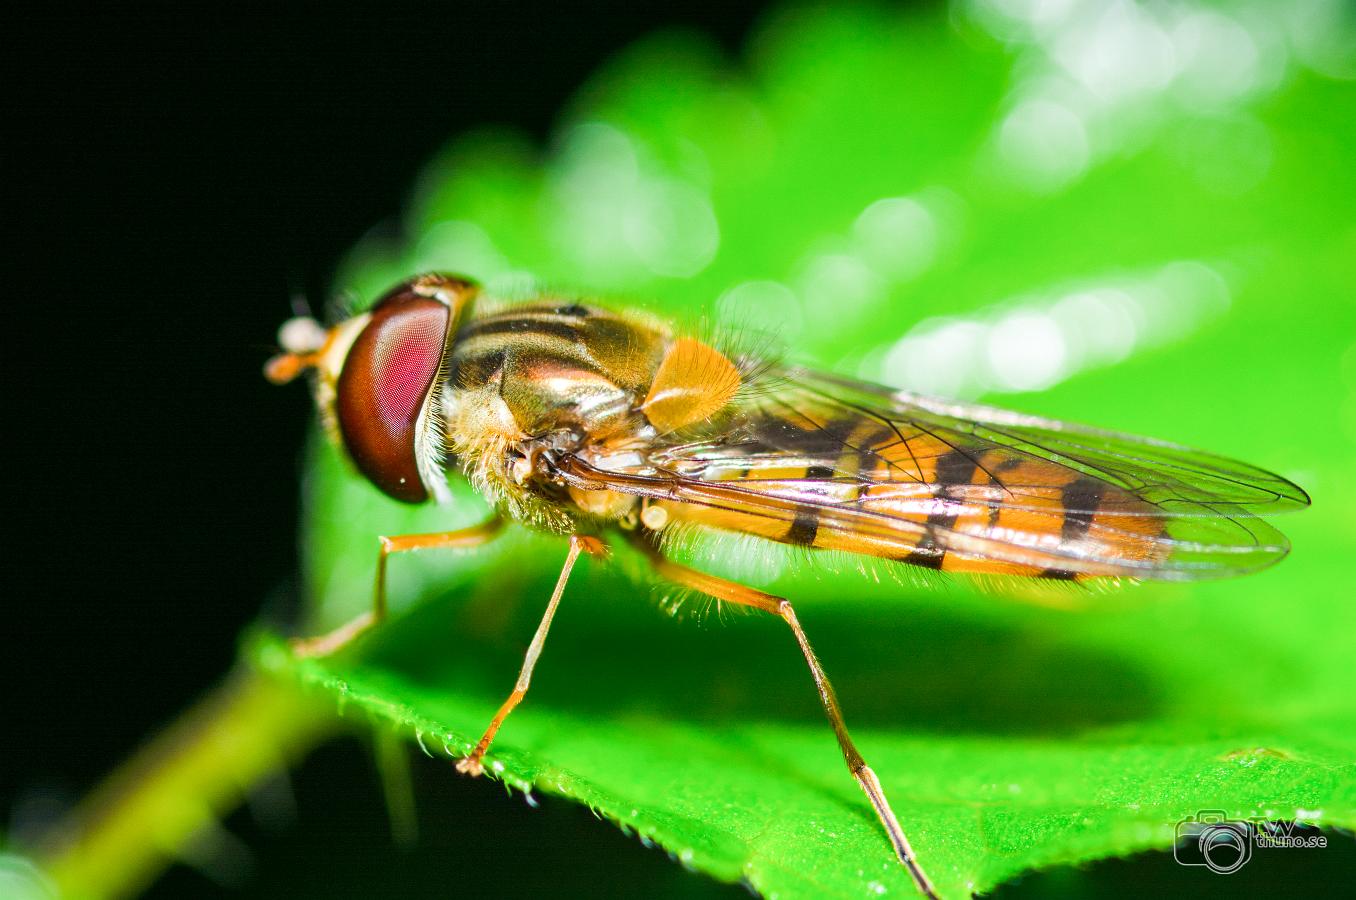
(385, 383)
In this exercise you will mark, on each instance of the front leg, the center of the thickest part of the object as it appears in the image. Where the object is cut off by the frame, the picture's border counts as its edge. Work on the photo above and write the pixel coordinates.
(325, 644)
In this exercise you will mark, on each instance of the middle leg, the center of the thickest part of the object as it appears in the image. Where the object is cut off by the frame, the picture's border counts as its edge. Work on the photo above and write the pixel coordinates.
(473, 764)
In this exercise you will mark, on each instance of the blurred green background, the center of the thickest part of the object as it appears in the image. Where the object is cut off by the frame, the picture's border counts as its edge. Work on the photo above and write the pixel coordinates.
(1138, 216)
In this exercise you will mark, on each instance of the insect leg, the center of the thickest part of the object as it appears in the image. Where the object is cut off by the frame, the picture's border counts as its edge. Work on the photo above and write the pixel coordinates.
(325, 644)
(733, 592)
(472, 764)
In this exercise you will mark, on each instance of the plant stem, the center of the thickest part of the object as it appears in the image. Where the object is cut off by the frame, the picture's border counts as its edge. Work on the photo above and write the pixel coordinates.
(180, 784)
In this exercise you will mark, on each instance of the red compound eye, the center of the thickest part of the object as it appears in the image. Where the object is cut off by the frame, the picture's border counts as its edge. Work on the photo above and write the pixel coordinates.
(386, 379)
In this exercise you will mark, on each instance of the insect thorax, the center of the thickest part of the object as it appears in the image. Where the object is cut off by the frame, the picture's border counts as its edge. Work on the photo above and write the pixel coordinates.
(531, 379)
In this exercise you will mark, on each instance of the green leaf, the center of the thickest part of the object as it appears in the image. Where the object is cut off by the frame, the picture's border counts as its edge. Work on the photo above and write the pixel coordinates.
(1145, 224)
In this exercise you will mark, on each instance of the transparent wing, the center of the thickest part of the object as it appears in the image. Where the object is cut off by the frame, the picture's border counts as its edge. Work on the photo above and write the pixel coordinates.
(822, 461)
(1178, 481)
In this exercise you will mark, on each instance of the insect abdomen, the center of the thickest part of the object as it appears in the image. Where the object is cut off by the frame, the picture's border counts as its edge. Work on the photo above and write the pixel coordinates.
(926, 503)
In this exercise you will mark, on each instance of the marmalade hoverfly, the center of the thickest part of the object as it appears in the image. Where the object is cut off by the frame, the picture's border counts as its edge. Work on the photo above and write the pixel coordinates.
(602, 425)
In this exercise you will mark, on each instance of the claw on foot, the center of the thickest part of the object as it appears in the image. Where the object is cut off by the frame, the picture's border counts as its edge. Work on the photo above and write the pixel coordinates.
(471, 765)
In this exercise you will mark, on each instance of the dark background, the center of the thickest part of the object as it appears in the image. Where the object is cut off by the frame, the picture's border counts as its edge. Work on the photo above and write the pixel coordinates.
(169, 184)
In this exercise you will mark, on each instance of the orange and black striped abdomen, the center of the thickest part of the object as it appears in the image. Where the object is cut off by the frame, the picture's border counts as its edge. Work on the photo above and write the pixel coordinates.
(863, 485)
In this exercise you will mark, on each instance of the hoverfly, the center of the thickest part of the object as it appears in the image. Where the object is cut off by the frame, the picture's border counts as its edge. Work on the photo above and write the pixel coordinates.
(602, 426)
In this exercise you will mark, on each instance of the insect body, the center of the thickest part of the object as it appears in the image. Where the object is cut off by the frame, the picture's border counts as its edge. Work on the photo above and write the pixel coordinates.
(604, 425)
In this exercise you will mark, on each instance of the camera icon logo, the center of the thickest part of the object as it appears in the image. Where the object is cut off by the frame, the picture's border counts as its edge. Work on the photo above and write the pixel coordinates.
(1210, 839)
